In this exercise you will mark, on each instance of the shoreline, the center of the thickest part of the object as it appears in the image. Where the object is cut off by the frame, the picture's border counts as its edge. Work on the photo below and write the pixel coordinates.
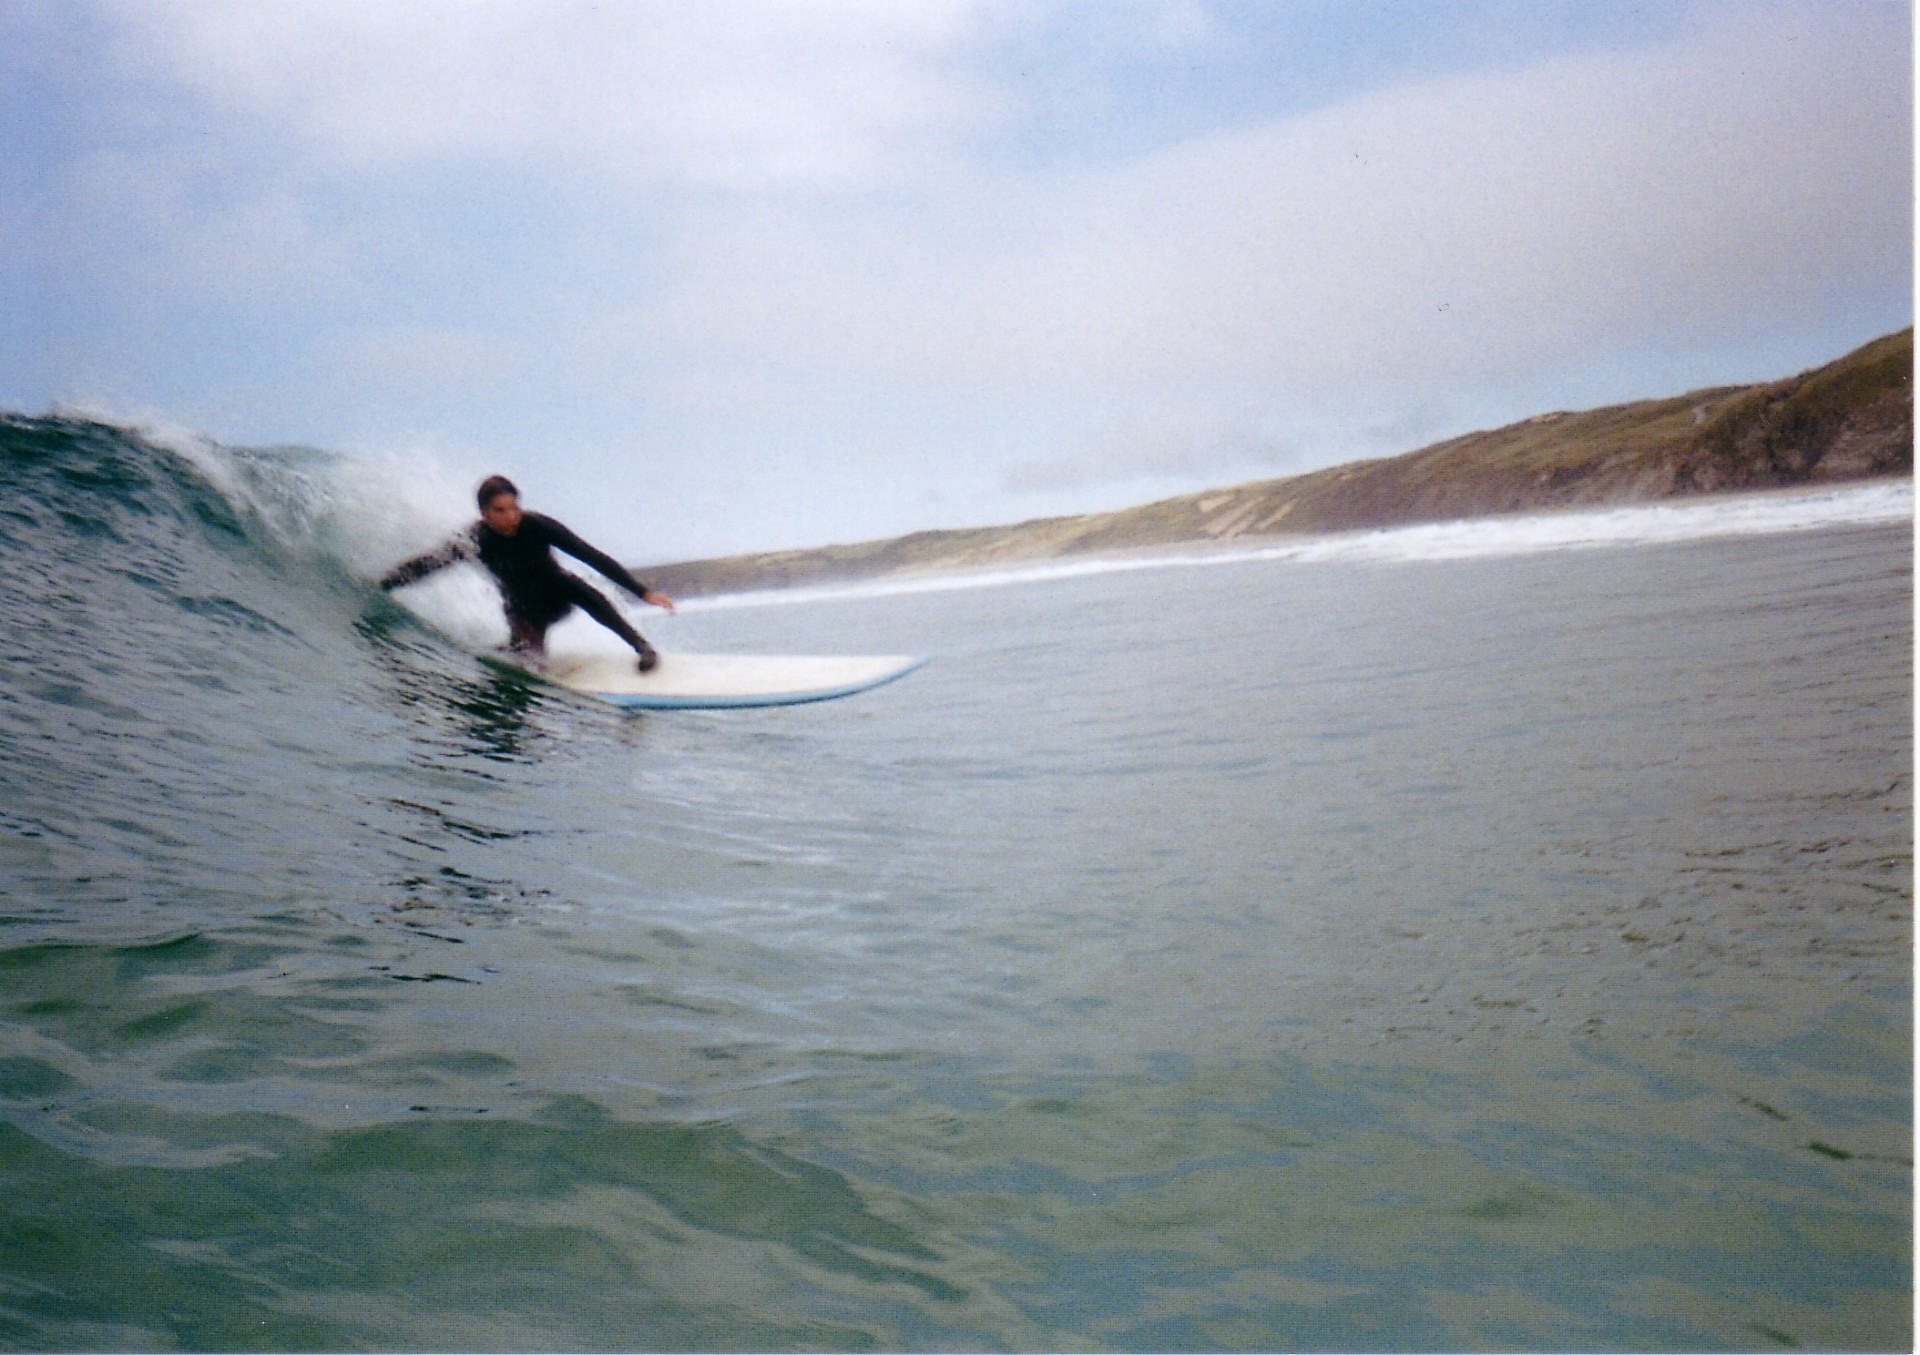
(1848, 422)
(1455, 539)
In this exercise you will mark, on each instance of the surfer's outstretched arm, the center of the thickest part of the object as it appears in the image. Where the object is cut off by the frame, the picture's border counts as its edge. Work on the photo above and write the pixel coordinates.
(460, 548)
(565, 539)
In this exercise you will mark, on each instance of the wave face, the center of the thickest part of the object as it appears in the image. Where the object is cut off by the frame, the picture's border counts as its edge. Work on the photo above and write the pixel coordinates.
(187, 632)
(1428, 940)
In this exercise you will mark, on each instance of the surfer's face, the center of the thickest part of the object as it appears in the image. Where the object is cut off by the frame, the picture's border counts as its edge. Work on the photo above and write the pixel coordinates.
(502, 513)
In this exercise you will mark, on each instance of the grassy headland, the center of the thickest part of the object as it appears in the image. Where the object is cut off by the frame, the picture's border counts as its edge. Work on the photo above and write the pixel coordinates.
(1849, 420)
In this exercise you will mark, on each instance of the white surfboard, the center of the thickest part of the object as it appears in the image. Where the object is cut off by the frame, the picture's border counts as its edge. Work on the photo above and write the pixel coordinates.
(716, 681)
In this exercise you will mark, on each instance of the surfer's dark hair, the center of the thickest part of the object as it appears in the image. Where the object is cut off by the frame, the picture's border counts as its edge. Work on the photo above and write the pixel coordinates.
(493, 487)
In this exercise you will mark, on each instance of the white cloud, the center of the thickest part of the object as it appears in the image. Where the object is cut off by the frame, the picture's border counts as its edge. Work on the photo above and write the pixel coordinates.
(1750, 175)
(1425, 229)
(741, 93)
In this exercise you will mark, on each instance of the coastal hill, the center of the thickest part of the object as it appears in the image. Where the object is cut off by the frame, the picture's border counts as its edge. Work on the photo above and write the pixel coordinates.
(1849, 420)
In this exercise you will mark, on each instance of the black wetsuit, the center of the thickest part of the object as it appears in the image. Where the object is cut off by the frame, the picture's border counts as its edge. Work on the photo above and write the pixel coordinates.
(536, 590)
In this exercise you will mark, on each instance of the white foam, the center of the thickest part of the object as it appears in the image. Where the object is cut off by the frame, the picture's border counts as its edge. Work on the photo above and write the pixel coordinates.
(362, 512)
(1880, 502)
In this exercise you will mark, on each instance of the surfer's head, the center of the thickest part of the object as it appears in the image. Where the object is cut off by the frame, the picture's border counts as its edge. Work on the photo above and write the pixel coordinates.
(499, 504)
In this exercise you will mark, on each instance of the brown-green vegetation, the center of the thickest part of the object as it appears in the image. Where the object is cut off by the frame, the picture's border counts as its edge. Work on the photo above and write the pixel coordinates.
(1849, 420)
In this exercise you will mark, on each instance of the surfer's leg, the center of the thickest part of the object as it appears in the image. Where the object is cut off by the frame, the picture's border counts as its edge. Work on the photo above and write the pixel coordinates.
(525, 635)
(531, 614)
(594, 605)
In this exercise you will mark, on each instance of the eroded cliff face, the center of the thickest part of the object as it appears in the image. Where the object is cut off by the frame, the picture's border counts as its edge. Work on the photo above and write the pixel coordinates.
(1849, 420)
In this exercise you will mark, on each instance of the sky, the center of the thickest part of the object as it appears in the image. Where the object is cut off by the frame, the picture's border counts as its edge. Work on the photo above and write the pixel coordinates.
(755, 274)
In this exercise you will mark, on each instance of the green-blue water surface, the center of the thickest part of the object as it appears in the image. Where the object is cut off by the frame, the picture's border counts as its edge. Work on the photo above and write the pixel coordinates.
(1411, 954)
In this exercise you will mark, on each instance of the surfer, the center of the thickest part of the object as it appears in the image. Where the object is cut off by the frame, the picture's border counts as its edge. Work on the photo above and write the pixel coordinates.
(517, 548)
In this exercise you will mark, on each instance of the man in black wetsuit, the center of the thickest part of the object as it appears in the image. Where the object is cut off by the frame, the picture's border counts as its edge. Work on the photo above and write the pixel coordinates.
(517, 548)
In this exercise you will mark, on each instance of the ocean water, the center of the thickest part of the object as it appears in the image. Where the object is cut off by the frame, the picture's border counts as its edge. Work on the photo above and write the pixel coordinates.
(1463, 938)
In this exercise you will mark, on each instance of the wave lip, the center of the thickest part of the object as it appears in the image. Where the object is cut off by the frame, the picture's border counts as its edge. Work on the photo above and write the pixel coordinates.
(1773, 512)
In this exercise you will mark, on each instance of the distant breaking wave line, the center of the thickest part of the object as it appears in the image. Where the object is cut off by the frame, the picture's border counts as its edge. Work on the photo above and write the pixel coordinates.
(1769, 513)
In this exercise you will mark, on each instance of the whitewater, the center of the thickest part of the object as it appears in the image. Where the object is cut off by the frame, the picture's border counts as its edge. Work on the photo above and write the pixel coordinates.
(1803, 510)
(1478, 935)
